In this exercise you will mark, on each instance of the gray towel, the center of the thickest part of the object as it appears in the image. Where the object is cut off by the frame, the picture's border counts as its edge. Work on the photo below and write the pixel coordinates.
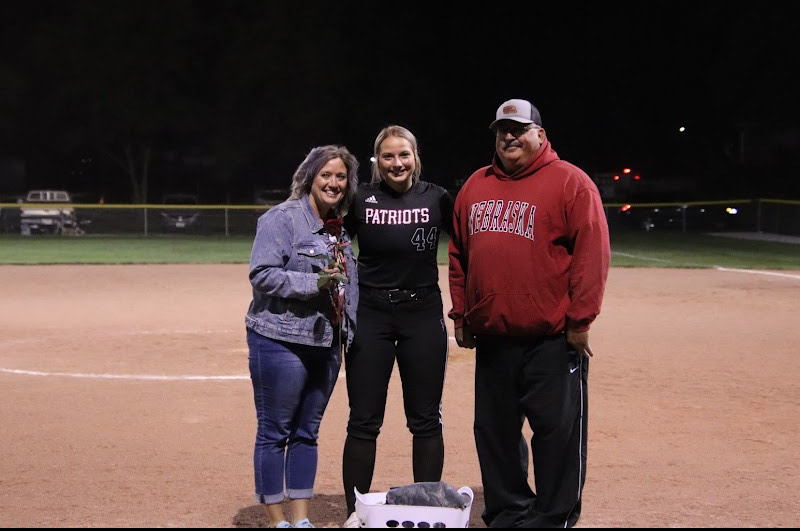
(430, 494)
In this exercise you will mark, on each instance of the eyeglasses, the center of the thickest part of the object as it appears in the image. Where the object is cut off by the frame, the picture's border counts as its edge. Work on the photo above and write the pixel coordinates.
(515, 128)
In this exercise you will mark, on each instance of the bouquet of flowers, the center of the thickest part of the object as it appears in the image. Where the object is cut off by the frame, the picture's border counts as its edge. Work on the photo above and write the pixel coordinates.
(334, 282)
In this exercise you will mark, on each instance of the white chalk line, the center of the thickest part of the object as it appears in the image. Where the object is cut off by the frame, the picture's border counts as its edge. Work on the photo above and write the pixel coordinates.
(718, 268)
(136, 377)
(758, 272)
(638, 257)
(172, 332)
(162, 378)
(164, 332)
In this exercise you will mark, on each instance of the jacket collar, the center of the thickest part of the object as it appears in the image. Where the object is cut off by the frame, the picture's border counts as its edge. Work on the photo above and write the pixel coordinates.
(313, 220)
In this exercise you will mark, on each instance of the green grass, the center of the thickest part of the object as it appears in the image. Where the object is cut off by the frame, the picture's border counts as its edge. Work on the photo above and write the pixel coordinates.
(124, 250)
(674, 249)
(629, 249)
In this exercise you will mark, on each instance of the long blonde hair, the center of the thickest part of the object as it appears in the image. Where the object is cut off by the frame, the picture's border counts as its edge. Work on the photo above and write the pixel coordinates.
(399, 132)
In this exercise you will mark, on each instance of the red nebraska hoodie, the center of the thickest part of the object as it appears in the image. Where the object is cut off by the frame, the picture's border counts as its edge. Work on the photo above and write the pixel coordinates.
(529, 252)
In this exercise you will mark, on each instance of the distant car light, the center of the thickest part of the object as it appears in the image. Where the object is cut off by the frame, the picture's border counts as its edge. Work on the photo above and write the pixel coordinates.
(731, 211)
(625, 208)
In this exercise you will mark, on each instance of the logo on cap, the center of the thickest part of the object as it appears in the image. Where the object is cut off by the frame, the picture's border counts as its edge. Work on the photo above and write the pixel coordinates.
(509, 109)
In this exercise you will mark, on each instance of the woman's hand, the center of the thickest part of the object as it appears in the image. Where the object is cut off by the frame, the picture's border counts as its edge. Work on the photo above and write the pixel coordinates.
(330, 276)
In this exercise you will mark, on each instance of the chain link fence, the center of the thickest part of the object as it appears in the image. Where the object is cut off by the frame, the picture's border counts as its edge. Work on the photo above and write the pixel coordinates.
(759, 215)
(143, 220)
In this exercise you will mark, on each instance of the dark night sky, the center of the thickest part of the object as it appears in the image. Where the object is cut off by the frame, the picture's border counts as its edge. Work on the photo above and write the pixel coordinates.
(244, 89)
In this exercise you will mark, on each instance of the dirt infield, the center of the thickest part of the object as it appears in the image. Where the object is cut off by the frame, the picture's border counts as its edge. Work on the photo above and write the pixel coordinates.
(694, 402)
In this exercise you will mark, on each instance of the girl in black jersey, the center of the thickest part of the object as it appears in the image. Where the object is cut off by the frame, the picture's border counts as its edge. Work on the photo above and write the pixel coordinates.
(397, 219)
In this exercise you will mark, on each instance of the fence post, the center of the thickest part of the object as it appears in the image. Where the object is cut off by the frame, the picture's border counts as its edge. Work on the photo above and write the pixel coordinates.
(226, 223)
(683, 216)
(145, 221)
(758, 215)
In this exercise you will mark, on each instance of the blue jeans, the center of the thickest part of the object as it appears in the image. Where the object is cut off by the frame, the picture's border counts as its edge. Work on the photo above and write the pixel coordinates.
(291, 388)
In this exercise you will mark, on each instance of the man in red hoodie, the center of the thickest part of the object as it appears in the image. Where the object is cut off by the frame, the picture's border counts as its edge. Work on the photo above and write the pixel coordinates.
(529, 258)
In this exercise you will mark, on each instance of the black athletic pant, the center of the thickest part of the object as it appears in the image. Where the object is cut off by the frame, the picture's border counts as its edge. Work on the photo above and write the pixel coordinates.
(413, 332)
(544, 381)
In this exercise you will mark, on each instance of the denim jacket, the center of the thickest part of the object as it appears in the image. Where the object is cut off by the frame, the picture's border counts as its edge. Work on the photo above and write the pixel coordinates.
(289, 250)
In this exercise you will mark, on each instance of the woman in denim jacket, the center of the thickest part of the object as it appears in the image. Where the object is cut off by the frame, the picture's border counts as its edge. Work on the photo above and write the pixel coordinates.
(305, 295)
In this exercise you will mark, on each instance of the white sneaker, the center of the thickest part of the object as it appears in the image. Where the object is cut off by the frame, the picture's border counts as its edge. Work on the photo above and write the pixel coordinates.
(352, 521)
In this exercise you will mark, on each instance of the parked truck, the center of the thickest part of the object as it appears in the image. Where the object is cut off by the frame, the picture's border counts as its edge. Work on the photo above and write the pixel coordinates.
(41, 218)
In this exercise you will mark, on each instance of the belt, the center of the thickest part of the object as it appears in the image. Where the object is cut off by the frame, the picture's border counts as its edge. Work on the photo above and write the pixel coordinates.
(398, 295)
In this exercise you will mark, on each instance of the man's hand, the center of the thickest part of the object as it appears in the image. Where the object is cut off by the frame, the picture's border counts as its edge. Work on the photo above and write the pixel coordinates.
(465, 338)
(580, 341)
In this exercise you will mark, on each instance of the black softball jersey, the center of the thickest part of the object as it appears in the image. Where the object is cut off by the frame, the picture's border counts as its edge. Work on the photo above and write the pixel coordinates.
(398, 234)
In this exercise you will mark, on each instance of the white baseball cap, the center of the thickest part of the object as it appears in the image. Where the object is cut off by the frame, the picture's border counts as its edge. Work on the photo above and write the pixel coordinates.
(521, 111)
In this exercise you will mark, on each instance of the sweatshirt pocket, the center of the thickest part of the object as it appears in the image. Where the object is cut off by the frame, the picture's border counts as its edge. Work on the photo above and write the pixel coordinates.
(515, 314)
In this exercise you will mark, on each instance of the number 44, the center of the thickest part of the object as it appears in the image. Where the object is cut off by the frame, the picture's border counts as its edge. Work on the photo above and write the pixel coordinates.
(422, 241)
